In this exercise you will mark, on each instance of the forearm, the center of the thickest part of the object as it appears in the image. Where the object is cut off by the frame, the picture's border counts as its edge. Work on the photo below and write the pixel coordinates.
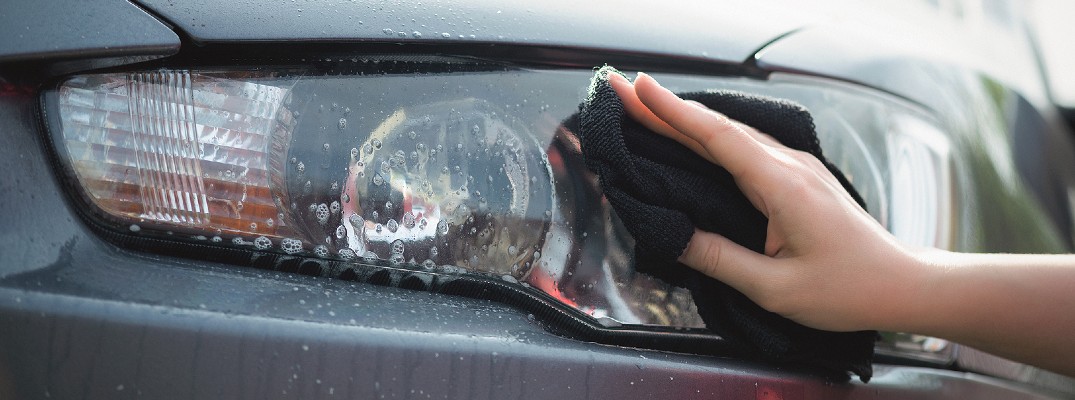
(1017, 306)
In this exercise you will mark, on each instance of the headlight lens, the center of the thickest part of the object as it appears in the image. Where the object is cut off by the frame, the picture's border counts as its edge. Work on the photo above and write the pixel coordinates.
(433, 170)
(445, 183)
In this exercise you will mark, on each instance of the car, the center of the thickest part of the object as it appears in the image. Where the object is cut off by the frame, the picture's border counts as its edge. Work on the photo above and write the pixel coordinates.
(370, 199)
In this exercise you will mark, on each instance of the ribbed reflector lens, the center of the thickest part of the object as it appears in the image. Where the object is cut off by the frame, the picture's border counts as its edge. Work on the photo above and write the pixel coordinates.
(177, 147)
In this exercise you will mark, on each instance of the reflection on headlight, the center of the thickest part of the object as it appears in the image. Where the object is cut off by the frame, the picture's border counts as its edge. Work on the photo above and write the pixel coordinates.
(449, 183)
(920, 183)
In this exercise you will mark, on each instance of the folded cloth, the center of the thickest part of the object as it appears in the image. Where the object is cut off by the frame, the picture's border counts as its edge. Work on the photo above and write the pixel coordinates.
(662, 191)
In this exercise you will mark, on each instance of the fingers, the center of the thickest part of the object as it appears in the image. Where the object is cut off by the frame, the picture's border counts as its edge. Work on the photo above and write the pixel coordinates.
(722, 259)
(756, 134)
(723, 141)
(642, 114)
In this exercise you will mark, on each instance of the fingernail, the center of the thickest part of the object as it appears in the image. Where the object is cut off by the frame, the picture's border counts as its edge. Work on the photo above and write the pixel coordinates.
(645, 75)
(696, 104)
(683, 256)
(618, 78)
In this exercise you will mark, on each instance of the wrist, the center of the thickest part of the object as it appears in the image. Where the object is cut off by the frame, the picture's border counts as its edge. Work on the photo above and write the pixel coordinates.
(944, 284)
(915, 283)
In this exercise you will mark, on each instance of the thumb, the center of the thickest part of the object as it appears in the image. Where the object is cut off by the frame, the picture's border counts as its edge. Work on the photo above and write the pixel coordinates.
(727, 261)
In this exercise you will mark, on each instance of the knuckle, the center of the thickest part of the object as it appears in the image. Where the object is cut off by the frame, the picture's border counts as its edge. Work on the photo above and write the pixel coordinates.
(802, 157)
(722, 125)
(709, 257)
(797, 186)
(798, 178)
(718, 126)
(814, 163)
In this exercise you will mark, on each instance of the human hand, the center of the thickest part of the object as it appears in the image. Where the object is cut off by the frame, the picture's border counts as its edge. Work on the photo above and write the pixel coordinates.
(827, 264)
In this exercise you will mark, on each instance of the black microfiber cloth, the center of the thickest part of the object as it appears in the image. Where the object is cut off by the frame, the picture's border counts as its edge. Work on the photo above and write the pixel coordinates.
(662, 191)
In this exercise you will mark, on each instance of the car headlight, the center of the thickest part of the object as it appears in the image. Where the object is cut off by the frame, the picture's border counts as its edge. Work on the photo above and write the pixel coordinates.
(454, 168)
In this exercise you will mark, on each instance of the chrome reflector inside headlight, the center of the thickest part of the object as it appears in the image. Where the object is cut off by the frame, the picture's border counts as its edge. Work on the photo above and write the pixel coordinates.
(446, 183)
(427, 169)
(920, 183)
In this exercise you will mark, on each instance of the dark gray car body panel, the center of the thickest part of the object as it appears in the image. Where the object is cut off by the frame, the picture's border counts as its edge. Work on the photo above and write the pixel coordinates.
(691, 30)
(86, 34)
(82, 318)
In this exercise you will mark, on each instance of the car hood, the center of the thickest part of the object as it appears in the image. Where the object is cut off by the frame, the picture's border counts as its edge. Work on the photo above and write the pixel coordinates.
(730, 33)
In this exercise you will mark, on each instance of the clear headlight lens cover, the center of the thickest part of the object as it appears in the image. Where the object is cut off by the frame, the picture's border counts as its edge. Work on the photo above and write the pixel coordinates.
(461, 172)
